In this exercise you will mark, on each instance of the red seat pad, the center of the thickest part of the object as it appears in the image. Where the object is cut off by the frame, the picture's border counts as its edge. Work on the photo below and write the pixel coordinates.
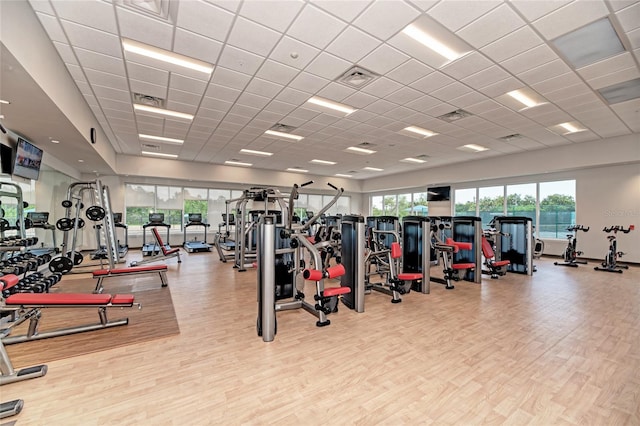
(123, 299)
(58, 299)
(463, 265)
(334, 291)
(408, 276)
(499, 263)
(8, 281)
(396, 250)
(168, 252)
(150, 268)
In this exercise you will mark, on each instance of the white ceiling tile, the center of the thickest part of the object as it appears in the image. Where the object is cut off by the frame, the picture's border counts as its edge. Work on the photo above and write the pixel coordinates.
(145, 29)
(184, 97)
(451, 91)
(359, 99)
(384, 18)
(346, 10)
(187, 84)
(501, 87)
(103, 92)
(52, 27)
(230, 78)
(533, 10)
(66, 53)
(486, 77)
(352, 45)
(628, 113)
(404, 95)
(556, 83)
(121, 106)
(570, 17)
(336, 91)
(544, 72)
(308, 82)
(240, 60)
(470, 98)
(629, 17)
(216, 104)
(381, 87)
(98, 61)
(328, 66)
(293, 96)
(255, 101)
(531, 58)
(610, 65)
(467, 65)
(586, 98)
(148, 89)
(512, 44)
(293, 53)
(456, 14)
(263, 88)
(90, 39)
(615, 78)
(86, 15)
(252, 37)
(149, 74)
(42, 6)
(432, 82)
(196, 46)
(275, 14)
(380, 106)
(315, 27)
(490, 27)
(276, 72)
(106, 79)
(383, 59)
(279, 107)
(409, 72)
(634, 39)
(205, 19)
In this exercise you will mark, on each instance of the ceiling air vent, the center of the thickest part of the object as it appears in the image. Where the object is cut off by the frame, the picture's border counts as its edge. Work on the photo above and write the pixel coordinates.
(155, 8)
(366, 144)
(512, 137)
(455, 115)
(279, 127)
(150, 147)
(357, 77)
(139, 98)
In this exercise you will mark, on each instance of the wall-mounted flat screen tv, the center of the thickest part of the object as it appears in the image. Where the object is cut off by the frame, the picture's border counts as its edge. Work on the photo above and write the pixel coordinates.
(6, 159)
(28, 160)
(439, 193)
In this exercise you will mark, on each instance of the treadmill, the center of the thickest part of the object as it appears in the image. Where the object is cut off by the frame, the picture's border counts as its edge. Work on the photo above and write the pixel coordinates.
(155, 220)
(195, 219)
(117, 223)
(40, 220)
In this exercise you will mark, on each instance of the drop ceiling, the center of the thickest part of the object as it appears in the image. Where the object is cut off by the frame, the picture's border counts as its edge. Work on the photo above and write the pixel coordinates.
(270, 57)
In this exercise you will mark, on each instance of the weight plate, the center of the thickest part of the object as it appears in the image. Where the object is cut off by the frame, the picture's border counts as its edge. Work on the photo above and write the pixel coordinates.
(61, 265)
(80, 223)
(95, 213)
(76, 257)
(64, 224)
(66, 204)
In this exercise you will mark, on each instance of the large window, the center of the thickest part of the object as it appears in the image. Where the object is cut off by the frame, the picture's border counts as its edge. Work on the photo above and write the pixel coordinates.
(377, 208)
(491, 203)
(521, 201)
(140, 200)
(169, 201)
(465, 202)
(557, 208)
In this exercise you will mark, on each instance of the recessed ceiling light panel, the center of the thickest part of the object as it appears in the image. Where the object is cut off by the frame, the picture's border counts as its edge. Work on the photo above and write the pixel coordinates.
(159, 154)
(473, 148)
(325, 162)
(621, 92)
(419, 131)
(161, 139)
(589, 44)
(372, 169)
(165, 56)
(254, 152)
(161, 111)
(358, 150)
(237, 163)
(326, 103)
(283, 135)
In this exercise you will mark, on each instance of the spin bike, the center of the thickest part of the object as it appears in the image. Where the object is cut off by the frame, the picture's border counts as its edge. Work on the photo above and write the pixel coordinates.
(610, 263)
(570, 255)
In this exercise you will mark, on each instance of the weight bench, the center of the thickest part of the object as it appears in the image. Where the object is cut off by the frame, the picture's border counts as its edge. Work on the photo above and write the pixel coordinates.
(164, 253)
(28, 306)
(103, 274)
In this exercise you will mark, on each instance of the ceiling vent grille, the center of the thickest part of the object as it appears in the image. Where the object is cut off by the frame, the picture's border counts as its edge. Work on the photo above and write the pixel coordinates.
(153, 101)
(150, 147)
(357, 77)
(284, 128)
(366, 145)
(455, 115)
(512, 137)
(155, 8)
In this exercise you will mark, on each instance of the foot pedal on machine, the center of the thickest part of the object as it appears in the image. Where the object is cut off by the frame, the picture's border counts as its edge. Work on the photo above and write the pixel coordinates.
(11, 408)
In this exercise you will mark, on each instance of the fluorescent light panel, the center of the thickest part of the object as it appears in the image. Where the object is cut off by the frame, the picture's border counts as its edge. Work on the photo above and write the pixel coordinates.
(2, 101)
(161, 139)
(166, 56)
(332, 105)
(237, 163)
(420, 131)
(343, 175)
(473, 148)
(253, 152)
(329, 163)
(571, 127)
(284, 135)
(422, 37)
(589, 44)
(621, 92)
(524, 98)
(162, 111)
(159, 154)
(294, 169)
(413, 160)
(373, 169)
(358, 150)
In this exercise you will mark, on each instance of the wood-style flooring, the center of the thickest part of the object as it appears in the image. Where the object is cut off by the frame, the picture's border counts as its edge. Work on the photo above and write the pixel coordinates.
(559, 347)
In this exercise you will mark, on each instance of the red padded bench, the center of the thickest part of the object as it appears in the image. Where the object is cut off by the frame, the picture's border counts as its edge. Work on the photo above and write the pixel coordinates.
(102, 274)
(69, 300)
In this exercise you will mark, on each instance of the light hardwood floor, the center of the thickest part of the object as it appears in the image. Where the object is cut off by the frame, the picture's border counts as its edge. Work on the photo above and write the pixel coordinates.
(560, 347)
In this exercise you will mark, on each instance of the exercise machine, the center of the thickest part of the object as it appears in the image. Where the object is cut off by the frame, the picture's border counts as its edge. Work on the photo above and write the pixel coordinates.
(40, 220)
(223, 241)
(515, 243)
(123, 249)
(445, 248)
(610, 263)
(416, 248)
(281, 267)
(195, 219)
(165, 251)
(495, 268)
(155, 220)
(571, 253)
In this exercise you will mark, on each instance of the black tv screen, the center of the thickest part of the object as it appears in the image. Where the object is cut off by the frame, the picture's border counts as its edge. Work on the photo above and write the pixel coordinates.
(6, 159)
(439, 193)
(195, 217)
(28, 160)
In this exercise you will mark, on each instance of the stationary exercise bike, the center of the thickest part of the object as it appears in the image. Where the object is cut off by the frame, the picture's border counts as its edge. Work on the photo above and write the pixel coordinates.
(610, 263)
(570, 255)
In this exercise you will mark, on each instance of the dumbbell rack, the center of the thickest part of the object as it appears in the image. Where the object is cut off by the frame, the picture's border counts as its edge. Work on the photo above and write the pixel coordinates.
(28, 266)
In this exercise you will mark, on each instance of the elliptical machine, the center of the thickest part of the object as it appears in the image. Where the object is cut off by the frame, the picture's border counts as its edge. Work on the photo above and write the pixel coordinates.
(570, 255)
(610, 263)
